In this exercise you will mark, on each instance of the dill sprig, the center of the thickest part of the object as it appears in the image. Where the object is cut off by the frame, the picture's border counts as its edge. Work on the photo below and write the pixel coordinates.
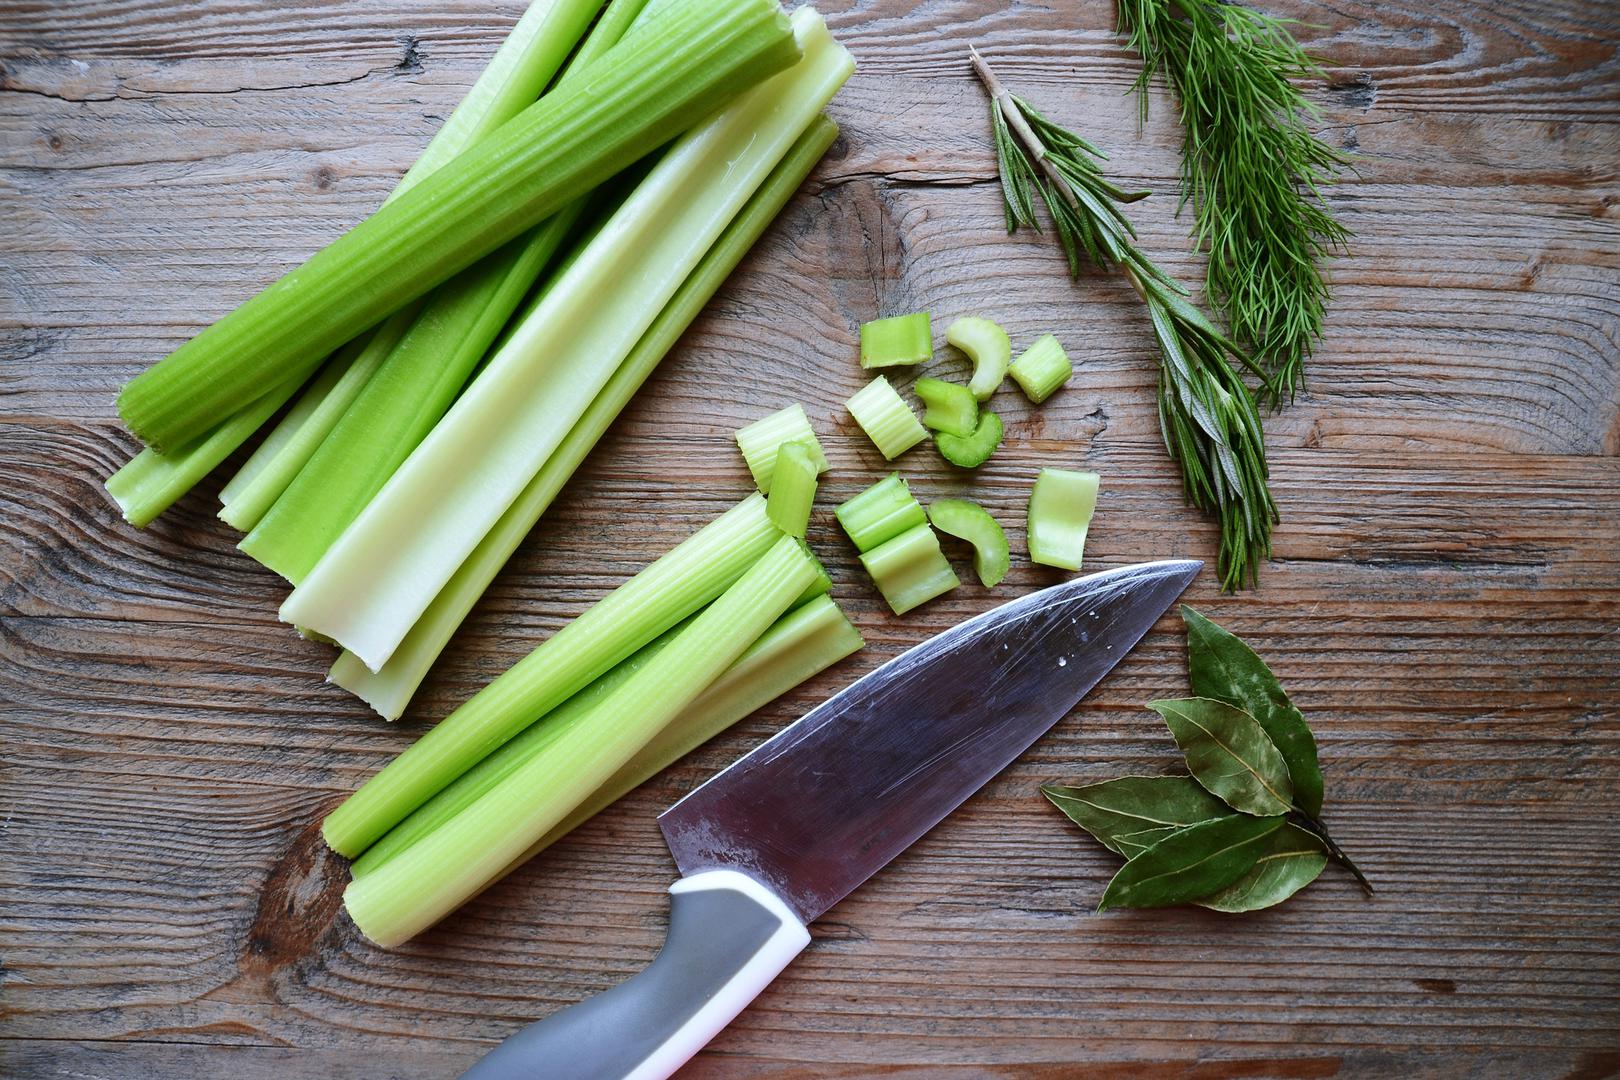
(1251, 168)
(1207, 414)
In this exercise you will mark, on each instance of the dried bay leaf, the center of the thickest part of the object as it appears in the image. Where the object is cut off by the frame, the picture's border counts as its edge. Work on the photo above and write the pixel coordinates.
(1191, 863)
(1222, 667)
(1229, 753)
(1133, 813)
(1291, 861)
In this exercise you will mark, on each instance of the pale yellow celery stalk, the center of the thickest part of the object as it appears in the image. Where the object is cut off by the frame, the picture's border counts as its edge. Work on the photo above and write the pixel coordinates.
(383, 572)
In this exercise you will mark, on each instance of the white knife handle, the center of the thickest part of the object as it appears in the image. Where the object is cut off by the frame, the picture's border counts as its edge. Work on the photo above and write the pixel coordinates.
(729, 936)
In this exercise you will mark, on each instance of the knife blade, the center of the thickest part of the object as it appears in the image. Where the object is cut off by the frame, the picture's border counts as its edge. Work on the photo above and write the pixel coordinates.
(774, 840)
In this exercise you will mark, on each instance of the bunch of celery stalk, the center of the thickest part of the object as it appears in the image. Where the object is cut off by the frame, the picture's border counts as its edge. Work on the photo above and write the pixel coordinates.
(442, 369)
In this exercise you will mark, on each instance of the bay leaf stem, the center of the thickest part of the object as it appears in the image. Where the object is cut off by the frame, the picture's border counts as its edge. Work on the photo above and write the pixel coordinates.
(1317, 829)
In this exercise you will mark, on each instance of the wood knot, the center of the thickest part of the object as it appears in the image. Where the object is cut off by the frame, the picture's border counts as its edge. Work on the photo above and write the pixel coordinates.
(298, 902)
(53, 140)
(324, 177)
(410, 55)
(1358, 93)
(1436, 986)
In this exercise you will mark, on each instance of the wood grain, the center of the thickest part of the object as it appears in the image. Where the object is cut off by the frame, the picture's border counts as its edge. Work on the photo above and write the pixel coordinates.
(1443, 601)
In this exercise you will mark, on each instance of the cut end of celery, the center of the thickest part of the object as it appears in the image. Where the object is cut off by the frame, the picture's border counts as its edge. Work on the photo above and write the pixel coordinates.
(1042, 369)
(988, 347)
(910, 569)
(387, 698)
(886, 418)
(897, 341)
(760, 441)
(1060, 509)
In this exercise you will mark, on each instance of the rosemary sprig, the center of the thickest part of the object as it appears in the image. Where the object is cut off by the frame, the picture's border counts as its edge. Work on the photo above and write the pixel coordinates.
(1251, 168)
(1207, 414)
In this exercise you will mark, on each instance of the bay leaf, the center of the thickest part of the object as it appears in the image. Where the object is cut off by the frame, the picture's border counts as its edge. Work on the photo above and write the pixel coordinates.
(1230, 754)
(1222, 667)
(1291, 861)
(1191, 863)
(1133, 813)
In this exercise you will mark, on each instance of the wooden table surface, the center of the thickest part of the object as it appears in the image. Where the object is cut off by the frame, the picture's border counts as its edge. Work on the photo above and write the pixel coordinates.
(1443, 600)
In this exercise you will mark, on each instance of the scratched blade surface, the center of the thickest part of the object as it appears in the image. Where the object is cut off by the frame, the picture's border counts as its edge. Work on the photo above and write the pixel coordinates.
(833, 797)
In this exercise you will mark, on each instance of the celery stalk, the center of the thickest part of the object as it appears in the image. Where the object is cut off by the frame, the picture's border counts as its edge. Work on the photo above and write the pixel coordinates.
(973, 450)
(681, 64)
(511, 81)
(1041, 369)
(896, 341)
(880, 513)
(1060, 507)
(793, 489)
(760, 440)
(969, 521)
(658, 597)
(951, 408)
(454, 862)
(910, 569)
(801, 643)
(987, 346)
(384, 571)
(886, 418)
(389, 690)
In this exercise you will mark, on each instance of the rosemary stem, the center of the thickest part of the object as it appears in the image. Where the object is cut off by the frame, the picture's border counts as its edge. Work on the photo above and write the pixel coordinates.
(1020, 127)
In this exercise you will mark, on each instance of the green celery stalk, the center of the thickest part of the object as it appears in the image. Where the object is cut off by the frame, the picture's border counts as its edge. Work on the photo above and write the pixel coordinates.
(1042, 368)
(967, 520)
(678, 66)
(793, 488)
(454, 862)
(886, 418)
(383, 572)
(896, 341)
(973, 450)
(910, 569)
(951, 408)
(1060, 507)
(880, 513)
(760, 441)
(986, 344)
(658, 597)
(419, 378)
(526, 59)
(801, 643)
(389, 690)
(326, 401)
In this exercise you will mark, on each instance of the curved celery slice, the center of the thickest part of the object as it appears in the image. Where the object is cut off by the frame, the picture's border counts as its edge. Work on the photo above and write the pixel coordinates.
(971, 522)
(793, 488)
(760, 440)
(1042, 368)
(886, 418)
(896, 341)
(975, 450)
(880, 513)
(389, 690)
(952, 408)
(384, 571)
(910, 569)
(1060, 509)
(454, 862)
(801, 643)
(663, 594)
(682, 64)
(987, 346)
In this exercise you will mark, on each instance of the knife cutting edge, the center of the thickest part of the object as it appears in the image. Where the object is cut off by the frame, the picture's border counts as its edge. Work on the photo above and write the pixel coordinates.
(770, 843)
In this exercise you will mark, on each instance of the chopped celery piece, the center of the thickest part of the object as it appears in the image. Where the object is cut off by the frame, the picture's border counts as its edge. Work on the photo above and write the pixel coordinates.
(760, 440)
(149, 483)
(681, 64)
(1060, 509)
(952, 408)
(910, 569)
(886, 418)
(384, 571)
(389, 690)
(805, 641)
(987, 346)
(1042, 368)
(793, 488)
(971, 522)
(975, 450)
(311, 419)
(895, 341)
(454, 862)
(669, 590)
(880, 513)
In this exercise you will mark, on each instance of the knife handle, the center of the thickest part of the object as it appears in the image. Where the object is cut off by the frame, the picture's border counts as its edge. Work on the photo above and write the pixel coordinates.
(729, 936)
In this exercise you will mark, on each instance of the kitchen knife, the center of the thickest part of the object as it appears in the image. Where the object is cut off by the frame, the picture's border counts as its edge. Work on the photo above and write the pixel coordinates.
(783, 834)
